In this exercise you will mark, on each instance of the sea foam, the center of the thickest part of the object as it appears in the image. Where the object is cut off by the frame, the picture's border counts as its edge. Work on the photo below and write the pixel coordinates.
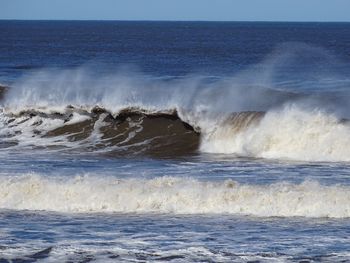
(86, 193)
(291, 132)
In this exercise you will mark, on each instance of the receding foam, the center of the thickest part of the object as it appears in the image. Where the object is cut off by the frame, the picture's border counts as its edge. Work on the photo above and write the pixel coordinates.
(86, 193)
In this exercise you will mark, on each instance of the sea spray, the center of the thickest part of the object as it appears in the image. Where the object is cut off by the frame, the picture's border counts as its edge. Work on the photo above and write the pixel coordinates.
(263, 111)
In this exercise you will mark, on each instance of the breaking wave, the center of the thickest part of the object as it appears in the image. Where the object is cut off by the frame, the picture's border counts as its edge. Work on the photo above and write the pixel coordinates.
(256, 113)
(84, 194)
(132, 131)
(289, 132)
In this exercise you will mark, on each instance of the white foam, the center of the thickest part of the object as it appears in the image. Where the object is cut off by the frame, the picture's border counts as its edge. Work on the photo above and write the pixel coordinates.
(77, 118)
(28, 131)
(172, 195)
(289, 133)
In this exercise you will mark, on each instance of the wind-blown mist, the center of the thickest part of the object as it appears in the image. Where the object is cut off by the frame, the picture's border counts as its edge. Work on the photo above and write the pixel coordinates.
(292, 105)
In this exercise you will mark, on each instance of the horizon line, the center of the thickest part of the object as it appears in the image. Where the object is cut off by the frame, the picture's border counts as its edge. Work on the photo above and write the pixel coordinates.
(171, 20)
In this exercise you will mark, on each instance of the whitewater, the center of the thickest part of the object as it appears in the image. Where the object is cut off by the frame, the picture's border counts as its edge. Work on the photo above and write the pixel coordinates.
(86, 194)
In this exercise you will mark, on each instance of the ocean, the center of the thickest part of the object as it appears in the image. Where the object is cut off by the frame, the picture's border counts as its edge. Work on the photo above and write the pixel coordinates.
(174, 141)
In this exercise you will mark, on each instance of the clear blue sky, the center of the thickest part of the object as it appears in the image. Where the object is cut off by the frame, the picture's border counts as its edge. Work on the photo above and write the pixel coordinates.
(232, 10)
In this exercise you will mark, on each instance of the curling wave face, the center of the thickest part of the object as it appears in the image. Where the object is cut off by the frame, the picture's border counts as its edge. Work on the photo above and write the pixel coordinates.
(132, 131)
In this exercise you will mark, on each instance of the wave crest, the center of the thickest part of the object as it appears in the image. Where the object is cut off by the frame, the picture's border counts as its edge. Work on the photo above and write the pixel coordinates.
(291, 132)
(124, 115)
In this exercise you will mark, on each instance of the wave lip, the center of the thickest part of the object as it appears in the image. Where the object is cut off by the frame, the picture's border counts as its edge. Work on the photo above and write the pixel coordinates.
(85, 194)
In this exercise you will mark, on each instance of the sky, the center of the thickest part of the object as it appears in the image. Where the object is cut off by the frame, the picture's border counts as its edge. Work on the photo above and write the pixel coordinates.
(207, 10)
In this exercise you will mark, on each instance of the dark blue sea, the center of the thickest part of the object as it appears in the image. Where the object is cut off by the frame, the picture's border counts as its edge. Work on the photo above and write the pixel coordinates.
(174, 141)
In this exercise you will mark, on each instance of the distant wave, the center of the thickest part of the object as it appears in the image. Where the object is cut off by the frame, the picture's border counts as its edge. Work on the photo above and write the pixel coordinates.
(85, 194)
(24, 67)
(3, 91)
